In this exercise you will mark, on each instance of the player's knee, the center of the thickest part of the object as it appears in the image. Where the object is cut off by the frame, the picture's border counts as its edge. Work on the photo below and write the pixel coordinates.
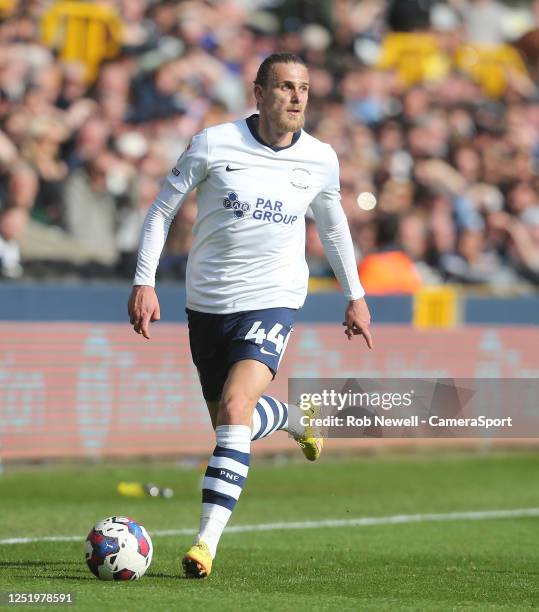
(234, 407)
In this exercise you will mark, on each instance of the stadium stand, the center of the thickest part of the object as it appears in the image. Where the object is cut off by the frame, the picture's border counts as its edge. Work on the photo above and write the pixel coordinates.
(97, 100)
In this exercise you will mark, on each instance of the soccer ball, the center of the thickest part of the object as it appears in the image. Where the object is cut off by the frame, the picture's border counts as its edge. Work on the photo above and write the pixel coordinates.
(118, 548)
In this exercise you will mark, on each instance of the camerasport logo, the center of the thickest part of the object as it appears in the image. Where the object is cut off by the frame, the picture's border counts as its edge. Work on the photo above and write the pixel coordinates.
(232, 202)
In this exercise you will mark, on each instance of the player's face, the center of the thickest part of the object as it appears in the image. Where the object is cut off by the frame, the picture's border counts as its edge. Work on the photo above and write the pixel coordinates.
(284, 98)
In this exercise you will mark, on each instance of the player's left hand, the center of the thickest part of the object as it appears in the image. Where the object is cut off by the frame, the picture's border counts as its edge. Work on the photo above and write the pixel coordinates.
(357, 320)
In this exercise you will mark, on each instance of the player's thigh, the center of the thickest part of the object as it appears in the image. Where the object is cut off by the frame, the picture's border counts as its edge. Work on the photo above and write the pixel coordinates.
(246, 382)
(248, 378)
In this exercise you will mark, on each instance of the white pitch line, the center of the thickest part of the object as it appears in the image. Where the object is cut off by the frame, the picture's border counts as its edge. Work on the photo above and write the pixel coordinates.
(397, 519)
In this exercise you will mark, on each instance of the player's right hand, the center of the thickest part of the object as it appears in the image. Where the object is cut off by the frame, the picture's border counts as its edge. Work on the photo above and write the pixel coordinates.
(143, 308)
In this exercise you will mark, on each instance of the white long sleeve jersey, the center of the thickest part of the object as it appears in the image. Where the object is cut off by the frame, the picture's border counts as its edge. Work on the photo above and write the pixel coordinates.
(248, 251)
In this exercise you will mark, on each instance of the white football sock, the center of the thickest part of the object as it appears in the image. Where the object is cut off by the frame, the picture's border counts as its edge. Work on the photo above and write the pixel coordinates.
(223, 482)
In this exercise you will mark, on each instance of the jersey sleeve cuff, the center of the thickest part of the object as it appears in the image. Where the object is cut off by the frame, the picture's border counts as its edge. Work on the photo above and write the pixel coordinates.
(357, 295)
(143, 281)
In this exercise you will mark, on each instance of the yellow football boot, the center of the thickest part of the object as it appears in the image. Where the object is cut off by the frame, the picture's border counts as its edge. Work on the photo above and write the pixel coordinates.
(197, 561)
(311, 443)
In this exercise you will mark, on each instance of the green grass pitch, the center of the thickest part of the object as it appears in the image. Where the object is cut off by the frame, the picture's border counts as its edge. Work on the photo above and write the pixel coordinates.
(490, 564)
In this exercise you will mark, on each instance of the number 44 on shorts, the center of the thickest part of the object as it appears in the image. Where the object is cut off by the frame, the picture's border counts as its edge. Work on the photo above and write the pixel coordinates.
(258, 334)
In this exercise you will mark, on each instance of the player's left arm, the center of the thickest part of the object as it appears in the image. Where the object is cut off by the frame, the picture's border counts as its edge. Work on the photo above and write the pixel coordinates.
(335, 236)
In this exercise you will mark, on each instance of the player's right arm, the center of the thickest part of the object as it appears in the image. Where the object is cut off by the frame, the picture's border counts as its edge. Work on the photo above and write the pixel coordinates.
(190, 170)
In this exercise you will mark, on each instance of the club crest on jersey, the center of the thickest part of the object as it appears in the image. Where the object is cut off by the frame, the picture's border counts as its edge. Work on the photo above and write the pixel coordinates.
(301, 178)
(232, 202)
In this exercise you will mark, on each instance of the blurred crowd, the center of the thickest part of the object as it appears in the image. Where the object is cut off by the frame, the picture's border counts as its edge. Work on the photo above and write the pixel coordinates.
(431, 106)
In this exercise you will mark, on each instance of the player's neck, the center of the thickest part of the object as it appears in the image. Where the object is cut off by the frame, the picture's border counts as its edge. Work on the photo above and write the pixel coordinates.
(269, 133)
